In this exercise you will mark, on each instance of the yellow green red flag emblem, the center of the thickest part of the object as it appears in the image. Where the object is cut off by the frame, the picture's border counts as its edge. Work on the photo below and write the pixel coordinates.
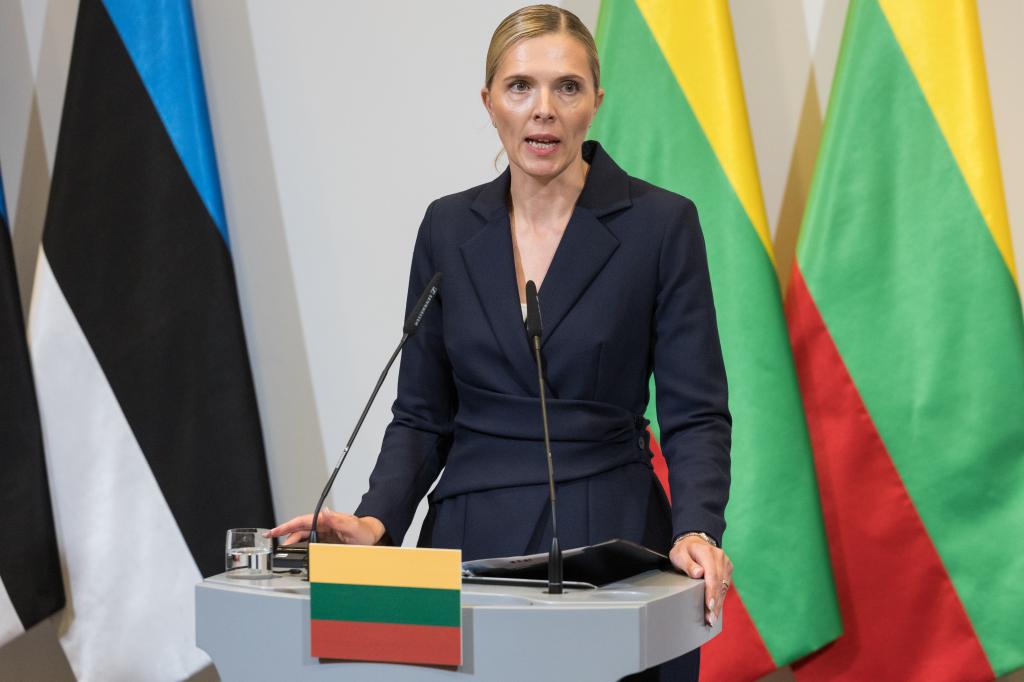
(387, 604)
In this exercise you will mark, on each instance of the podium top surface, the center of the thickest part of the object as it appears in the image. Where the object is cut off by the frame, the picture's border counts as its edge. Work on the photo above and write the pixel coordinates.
(637, 591)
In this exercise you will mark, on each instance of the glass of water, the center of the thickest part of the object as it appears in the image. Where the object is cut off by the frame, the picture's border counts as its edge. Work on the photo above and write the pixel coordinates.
(247, 553)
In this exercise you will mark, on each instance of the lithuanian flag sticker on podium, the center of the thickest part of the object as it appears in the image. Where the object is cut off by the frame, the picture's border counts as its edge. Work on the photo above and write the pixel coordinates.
(386, 604)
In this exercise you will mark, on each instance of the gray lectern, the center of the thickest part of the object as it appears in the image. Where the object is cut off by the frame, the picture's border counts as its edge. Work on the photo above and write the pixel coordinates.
(259, 630)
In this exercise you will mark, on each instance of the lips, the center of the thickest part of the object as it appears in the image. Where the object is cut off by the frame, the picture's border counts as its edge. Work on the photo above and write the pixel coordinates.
(542, 143)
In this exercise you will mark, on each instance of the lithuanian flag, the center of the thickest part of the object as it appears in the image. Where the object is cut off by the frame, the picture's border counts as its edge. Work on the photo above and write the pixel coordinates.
(674, 115)
(390, 604)
(907, 332)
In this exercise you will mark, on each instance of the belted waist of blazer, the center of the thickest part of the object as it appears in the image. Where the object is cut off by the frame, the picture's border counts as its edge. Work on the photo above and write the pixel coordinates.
(499, 441)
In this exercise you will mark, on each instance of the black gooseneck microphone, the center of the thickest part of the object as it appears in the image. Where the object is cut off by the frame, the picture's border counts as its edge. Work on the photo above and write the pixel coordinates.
(534, 330)
(412, 323)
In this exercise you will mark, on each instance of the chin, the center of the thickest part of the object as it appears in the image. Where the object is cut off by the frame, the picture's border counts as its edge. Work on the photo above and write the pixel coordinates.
(543, 168)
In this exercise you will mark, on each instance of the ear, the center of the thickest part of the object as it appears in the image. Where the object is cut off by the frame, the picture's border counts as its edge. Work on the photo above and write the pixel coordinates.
(485, 97)
(598, 99)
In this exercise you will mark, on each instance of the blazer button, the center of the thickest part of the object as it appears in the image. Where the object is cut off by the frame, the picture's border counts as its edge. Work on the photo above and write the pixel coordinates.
(640, 442)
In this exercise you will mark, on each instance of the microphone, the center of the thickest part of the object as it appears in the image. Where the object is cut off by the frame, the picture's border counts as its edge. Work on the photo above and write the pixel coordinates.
(534, 324)
(534, 330)
(412, 324)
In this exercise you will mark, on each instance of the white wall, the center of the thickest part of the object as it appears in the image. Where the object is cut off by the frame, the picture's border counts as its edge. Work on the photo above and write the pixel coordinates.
(337, 122)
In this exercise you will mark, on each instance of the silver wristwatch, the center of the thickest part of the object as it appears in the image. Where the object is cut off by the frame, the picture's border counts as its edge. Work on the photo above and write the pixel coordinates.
(703, 536)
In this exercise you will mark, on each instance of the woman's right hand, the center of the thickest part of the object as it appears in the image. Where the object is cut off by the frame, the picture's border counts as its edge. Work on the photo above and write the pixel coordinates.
(332, 527)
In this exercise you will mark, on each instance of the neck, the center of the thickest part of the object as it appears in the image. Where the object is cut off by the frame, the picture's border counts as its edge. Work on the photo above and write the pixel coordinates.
(540, 200)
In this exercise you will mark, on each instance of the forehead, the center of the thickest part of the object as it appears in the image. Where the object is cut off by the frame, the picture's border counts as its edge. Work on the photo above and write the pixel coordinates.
(552, 53)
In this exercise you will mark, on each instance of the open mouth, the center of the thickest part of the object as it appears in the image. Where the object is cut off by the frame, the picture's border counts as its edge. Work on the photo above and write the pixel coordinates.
(542, 143)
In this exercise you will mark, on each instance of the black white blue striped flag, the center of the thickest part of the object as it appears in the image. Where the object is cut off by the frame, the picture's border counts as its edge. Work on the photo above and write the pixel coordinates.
(148, 407)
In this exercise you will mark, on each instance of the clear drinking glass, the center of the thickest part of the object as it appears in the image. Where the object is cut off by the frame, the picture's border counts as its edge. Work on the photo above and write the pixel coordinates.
(247, 553)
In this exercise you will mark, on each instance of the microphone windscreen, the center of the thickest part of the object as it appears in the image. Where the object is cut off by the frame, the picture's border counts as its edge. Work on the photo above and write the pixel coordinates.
(534, 327)
(412, 323)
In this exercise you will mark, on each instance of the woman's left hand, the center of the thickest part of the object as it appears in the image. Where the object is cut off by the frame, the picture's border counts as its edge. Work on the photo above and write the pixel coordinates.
(698, 559)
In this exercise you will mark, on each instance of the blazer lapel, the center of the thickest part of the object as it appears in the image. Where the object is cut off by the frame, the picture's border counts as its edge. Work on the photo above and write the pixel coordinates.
(587, 243)
(489, 262)
(585, 248)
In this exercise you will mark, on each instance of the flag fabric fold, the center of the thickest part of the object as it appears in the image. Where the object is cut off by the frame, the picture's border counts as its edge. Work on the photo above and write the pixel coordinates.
(147, 399)
(674, 115)
(31, 586)
(907, 332)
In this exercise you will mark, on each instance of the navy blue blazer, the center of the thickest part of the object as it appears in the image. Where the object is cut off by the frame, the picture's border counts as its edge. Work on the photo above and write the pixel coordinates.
(627, 294)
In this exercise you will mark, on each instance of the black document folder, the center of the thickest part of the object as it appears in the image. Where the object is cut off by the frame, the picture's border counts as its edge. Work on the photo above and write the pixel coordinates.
(600, 564)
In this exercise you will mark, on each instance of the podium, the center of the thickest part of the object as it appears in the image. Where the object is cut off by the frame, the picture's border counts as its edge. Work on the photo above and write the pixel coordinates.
(259, 629)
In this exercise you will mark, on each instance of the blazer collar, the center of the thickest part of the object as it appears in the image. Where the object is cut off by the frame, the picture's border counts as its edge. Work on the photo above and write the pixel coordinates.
(605, 190)
(585, 248)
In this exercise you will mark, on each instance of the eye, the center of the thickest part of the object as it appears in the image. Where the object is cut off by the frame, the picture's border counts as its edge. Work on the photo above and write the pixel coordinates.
(570, 87)
(518, 86)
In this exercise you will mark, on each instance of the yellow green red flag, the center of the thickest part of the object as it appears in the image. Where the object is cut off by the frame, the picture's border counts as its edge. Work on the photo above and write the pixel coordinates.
(389, 604)
(674, 115)
(909, 343)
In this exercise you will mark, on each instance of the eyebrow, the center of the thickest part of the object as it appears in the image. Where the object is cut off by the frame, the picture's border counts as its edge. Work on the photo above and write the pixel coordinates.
(524, 77)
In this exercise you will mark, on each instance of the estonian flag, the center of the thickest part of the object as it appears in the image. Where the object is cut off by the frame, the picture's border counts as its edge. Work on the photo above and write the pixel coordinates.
(148, 408)
(30, 581)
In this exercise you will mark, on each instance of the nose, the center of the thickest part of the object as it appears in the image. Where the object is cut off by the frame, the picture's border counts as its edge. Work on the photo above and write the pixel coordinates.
(544, 110)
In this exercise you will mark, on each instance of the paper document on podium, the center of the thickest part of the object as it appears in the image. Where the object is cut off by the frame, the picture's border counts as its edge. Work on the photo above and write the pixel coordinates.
(600, 564)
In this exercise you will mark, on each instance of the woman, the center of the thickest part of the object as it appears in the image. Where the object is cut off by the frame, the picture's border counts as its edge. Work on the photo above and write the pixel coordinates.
(624, 291)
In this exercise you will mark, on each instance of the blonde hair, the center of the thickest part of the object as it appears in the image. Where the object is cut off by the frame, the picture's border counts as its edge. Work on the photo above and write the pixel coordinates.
(538, 20)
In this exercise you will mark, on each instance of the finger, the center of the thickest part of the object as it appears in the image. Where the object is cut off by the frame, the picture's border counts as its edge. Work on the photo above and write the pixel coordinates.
(298, 523)
(726, 581)
(705, 555)
(681, 560)
(297, 536)
(712, 588)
